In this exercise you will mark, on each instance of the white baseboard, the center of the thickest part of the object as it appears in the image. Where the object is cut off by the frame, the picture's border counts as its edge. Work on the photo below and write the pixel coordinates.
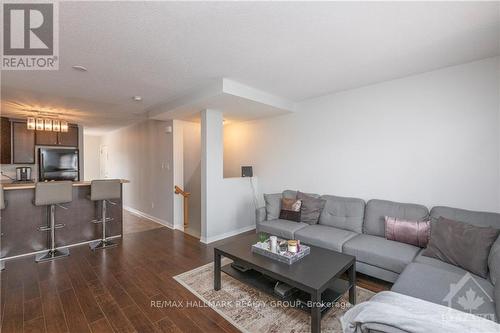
(215, 238)
(147, 216)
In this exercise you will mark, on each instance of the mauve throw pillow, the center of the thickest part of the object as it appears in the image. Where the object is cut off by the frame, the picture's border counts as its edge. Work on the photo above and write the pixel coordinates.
(311, 208)
(410, 232)
(461, 244)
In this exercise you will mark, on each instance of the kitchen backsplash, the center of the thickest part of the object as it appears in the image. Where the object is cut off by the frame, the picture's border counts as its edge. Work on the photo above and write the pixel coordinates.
(10, 170)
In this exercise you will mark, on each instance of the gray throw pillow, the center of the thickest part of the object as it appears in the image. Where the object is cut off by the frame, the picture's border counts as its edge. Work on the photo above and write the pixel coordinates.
(273, 206)
(496, 295)
(462, 245)
(494, 262)
(311, 208)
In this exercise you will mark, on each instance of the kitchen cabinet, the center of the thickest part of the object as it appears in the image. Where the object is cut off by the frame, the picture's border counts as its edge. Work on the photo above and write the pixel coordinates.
(23, 144)
(6, 141)
(67, 139)
(44, 138)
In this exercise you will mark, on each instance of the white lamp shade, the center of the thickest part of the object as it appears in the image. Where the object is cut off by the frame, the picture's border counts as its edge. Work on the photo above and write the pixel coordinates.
(31, 123)
(56, 125)
(39, 124)
(64, 126)
(48, 124)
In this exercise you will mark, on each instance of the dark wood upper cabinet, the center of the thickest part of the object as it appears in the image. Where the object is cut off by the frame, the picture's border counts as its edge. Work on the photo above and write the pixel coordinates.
(23, 145)
(5, 144)
(44, 138)
(69, 138)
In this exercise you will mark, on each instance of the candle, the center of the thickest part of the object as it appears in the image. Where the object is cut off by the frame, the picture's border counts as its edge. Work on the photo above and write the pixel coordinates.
(274, 243)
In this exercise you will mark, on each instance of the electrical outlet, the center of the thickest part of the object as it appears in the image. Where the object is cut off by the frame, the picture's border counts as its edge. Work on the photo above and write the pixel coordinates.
(152, 205)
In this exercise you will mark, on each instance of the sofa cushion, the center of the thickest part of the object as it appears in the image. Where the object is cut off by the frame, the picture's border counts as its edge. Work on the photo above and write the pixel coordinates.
(344, 213)
(323, 236)
(480, 219)
(377, 210)
(273, 205)
(380, 252)
(281, 228)
(447, 288)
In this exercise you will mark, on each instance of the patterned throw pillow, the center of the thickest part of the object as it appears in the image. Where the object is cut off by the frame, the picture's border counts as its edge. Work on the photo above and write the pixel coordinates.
(290, 209)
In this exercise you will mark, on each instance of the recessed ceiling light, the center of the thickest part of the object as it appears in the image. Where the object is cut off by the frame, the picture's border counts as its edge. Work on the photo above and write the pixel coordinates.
(79, 68)
(137, 98)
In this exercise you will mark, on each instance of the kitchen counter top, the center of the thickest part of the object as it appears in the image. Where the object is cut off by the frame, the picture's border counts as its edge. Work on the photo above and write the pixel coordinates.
(8, 186)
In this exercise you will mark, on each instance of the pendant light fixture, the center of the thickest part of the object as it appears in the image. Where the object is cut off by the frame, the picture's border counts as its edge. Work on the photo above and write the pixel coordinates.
(46, 124)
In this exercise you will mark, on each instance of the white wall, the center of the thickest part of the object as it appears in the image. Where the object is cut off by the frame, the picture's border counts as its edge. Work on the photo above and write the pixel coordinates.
(91, 160)
(226, 204)
(431, 139)
(143, 154)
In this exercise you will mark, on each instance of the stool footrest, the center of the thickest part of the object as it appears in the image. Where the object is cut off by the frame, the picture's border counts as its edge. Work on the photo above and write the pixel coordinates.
(108, 219)
(47, 228)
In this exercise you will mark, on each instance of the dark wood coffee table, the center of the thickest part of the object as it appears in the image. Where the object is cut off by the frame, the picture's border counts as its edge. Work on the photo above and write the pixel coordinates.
(317, 276)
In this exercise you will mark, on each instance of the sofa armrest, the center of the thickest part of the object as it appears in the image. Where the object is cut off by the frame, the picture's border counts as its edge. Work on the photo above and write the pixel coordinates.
(260, 215)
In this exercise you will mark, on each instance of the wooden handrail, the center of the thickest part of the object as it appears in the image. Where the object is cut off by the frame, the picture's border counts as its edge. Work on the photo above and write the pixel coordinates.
(178, 190)
(186, 195)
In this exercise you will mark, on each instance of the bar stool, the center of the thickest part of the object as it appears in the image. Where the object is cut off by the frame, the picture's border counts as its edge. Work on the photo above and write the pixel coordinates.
(53, 194)
(104, 190)
(2, 207)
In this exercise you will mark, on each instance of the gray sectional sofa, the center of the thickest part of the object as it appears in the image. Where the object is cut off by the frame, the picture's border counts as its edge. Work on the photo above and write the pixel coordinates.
(350, 226)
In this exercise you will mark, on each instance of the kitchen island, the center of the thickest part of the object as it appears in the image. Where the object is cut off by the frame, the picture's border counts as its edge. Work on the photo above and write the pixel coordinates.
(21, 219)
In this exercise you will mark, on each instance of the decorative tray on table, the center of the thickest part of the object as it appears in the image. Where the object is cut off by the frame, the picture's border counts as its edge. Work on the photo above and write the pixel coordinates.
(287, 257)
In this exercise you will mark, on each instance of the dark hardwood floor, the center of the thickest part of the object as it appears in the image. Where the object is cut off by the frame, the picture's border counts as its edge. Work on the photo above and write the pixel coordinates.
(111, 290)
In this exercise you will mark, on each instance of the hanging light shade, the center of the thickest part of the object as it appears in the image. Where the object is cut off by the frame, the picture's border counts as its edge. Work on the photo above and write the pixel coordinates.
(31, 123)
(64, 126)
(48, 124)
(56, 125)
(39, 124)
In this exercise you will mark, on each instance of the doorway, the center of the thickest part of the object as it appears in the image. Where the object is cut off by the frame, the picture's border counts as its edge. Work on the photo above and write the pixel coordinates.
(192, 175)
(103, 162)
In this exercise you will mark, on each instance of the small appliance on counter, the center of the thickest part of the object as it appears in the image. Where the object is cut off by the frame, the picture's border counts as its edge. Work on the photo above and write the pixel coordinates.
(23, 174)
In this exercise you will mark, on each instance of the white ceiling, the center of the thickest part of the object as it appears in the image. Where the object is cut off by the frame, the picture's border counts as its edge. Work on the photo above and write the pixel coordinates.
(295, 50)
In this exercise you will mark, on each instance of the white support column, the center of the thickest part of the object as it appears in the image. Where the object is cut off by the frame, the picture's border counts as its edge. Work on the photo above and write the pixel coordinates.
(212, 162)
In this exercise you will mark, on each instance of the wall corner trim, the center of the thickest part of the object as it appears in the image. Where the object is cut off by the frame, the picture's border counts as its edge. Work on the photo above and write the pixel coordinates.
(208, 240)
(147, 216)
